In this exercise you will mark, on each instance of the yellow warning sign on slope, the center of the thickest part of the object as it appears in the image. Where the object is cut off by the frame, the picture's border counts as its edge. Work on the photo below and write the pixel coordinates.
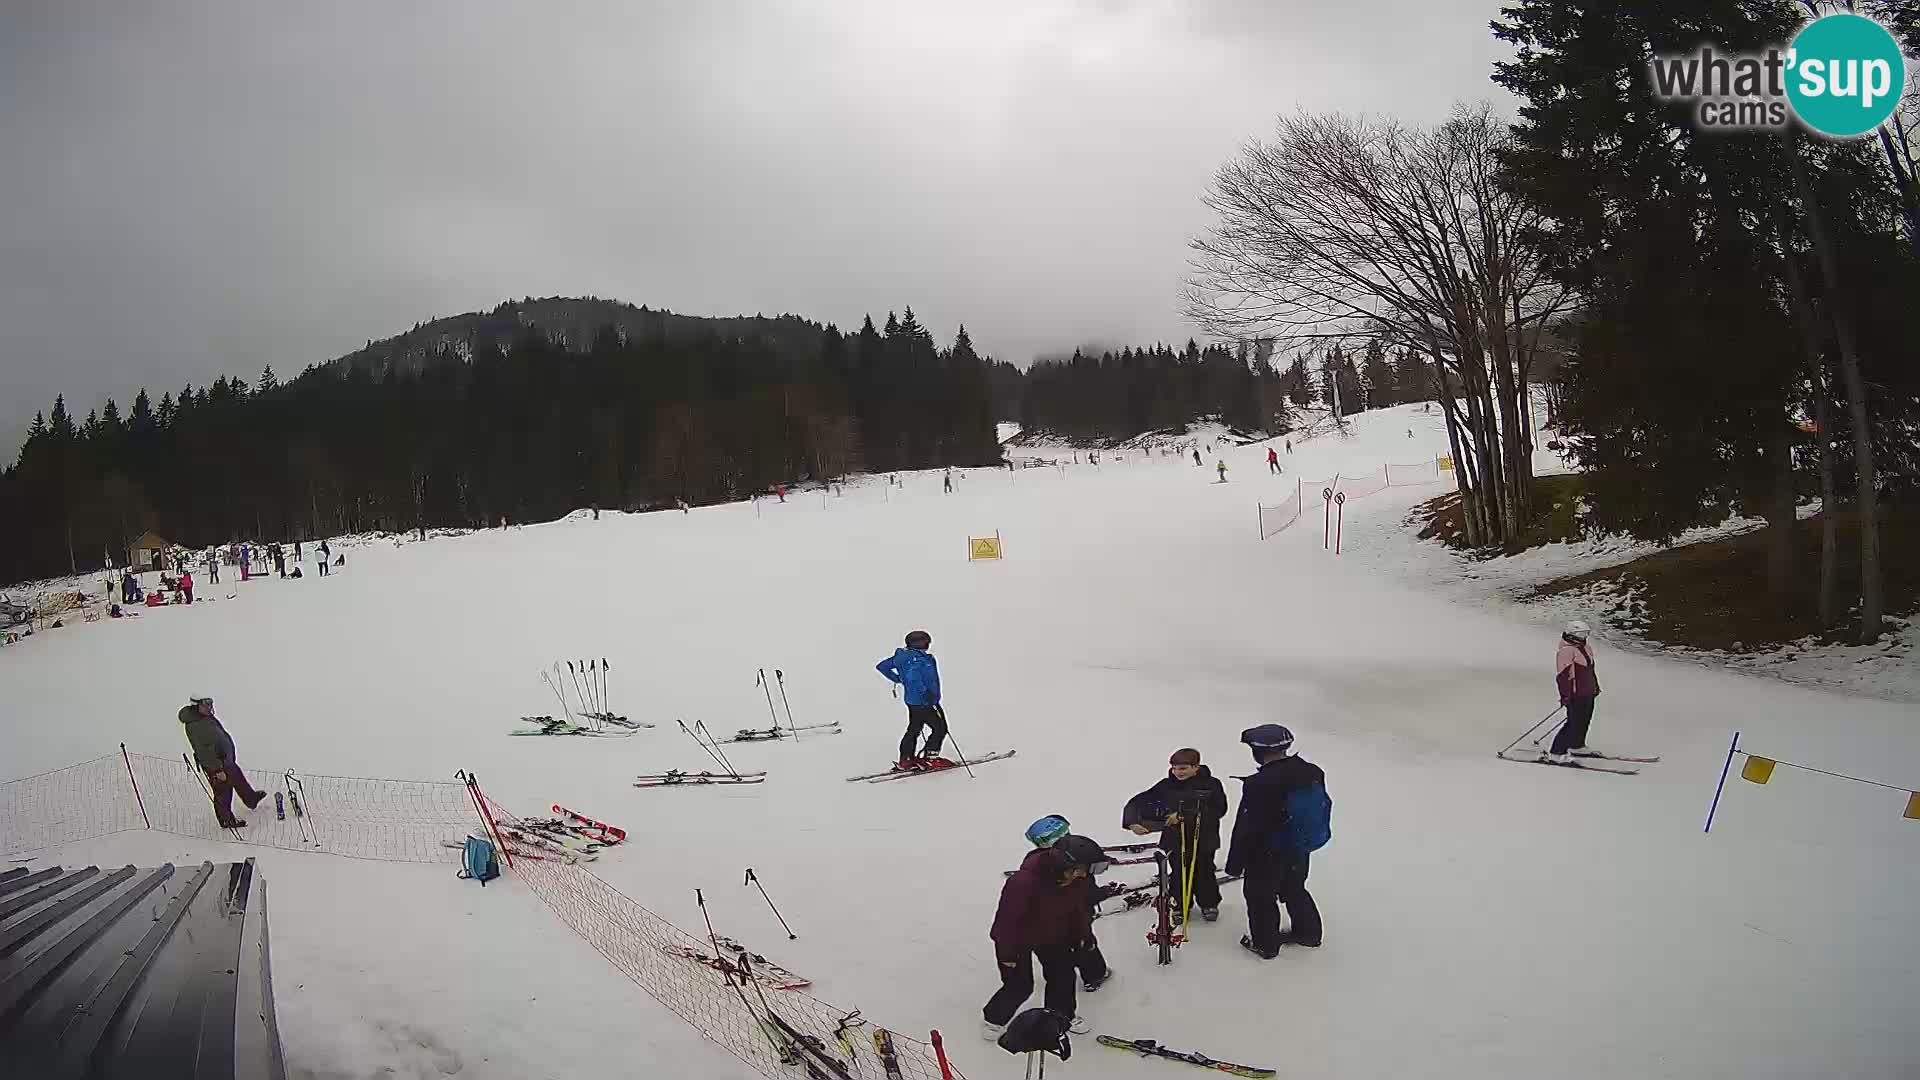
(1446, 463)
(983, 547)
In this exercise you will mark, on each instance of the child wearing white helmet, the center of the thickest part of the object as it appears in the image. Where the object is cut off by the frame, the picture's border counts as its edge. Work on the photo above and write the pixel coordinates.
(1573, 673)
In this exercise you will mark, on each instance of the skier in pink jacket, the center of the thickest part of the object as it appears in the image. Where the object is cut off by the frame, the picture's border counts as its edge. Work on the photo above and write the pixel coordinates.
(1573, 673)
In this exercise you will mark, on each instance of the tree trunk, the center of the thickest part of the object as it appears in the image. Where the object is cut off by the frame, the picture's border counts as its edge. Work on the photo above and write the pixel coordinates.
(1780, 513)
(1811, 350)
(1872, 599)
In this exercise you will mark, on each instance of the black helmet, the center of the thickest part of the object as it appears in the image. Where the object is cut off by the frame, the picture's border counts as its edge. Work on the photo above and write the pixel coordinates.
(1082, 851)
(1267, 737)
(1037, 1030)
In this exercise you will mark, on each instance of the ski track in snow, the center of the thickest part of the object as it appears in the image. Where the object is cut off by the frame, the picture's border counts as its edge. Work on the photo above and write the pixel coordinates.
(1482, 920)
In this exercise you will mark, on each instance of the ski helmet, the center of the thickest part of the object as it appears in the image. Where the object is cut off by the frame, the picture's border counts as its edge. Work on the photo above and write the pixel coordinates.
(1048, 830)
(1083, 851)
(1267, 737)
(1037, 1030)
(1576, 630)
(919, 639)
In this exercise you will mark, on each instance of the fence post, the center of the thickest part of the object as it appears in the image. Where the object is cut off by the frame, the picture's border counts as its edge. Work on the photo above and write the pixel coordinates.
(1731, 750)
(142, 803)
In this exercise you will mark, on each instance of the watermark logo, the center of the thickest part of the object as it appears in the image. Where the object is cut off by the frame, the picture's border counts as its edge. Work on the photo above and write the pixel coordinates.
(1842, 76)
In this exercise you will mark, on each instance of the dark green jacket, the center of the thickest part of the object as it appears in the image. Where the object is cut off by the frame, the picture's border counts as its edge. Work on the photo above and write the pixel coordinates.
(212, 746)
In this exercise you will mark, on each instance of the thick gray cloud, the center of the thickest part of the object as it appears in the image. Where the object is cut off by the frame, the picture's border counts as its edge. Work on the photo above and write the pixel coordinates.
(189, 189)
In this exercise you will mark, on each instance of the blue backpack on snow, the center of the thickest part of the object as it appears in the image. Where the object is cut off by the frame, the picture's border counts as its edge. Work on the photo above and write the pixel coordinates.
(1309, 820)
(479, 862)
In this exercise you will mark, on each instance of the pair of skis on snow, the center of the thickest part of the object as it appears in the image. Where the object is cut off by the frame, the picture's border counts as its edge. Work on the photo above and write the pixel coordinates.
(1539, 757)
(1151, 1048)
(589, 684)
(1588, 758)
(677, 778)
(772, 734)
(897, 773)
(571, 836)
(553, 725)
(736, 959)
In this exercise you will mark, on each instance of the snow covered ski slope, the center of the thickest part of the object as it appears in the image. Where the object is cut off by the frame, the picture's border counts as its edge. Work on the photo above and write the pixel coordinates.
(1481, 920)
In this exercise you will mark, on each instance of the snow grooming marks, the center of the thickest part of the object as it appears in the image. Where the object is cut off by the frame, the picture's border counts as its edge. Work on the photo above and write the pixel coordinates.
(660, 959)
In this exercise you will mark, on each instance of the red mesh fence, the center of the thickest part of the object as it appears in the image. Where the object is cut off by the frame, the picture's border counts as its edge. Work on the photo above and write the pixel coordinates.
(393, 820)
(1426, 472)
(426, 821)
(78, 802)
(1275, 519)
(675, 968)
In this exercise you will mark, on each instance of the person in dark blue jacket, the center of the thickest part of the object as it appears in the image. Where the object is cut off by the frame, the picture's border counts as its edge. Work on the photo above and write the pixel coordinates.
(914, 670)
(1283, 817)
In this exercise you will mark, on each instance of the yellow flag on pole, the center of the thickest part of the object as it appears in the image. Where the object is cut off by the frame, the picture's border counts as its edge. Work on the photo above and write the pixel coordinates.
(1757, 770)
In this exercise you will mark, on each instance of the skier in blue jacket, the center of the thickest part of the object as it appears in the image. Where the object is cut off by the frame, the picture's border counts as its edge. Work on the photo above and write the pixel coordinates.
(914, 669)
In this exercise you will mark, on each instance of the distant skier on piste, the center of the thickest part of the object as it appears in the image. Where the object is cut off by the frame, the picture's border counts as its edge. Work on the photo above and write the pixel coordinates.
(1573, 673)
(913, 669)
(1273, 460)
(1045, 913)
(1188, 801)
(1284, 817)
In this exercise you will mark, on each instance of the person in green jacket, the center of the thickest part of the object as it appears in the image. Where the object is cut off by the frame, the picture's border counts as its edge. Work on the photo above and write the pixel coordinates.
(213, 752)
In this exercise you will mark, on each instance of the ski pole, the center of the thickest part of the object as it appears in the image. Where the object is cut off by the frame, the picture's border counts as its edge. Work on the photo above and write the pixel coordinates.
(760, 680)
(727, 973)
(1531, 730)
(604, 668)
(781, 678)
(956, 746)
(586, 710)
(556, 693)
(701, 725)
(754, 879)
(1549, 731)
(208, 792)
(700, 741)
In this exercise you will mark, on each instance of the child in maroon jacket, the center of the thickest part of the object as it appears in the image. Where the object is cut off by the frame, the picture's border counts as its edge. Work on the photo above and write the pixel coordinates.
(1046, 912)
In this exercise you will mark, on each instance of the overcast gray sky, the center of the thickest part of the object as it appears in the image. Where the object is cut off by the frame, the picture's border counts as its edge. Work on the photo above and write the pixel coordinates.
(189, 189)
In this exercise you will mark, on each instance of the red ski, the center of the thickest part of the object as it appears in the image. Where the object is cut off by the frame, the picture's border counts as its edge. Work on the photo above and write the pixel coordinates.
(609, 834)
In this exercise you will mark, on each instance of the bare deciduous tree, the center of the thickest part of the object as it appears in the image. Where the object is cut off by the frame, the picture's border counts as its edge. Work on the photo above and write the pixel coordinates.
(1344, 226)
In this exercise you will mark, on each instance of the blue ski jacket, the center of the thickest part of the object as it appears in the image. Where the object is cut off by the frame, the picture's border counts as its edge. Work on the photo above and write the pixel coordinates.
(916, 671)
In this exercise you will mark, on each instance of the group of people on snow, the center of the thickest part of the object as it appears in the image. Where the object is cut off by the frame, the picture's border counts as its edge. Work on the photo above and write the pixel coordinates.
(1048, 905)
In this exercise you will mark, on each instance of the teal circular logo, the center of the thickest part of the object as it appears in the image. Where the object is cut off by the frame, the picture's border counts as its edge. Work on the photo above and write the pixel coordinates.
(1846, 75)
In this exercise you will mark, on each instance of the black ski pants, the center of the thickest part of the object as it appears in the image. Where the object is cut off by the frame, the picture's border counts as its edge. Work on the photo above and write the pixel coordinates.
(1091, 964)
(1573, 733)
(931, 717)
(1016, 981)
(1206, 877)
(1271, 881)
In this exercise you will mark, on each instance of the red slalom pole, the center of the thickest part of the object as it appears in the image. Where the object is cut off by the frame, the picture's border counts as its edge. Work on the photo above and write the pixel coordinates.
(940, 1051)
(486, 816)
(142, 803)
